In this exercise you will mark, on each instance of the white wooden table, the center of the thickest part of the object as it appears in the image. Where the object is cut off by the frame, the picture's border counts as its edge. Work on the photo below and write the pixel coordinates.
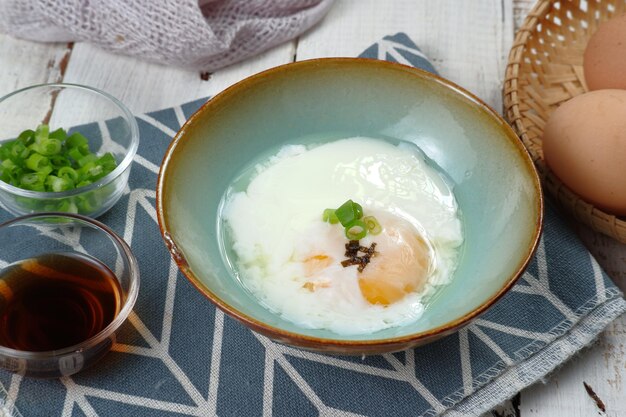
(468, 41)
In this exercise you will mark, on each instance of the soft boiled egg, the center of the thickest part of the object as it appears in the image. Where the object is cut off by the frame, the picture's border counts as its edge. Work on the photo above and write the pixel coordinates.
(402, 268)
(291, 260)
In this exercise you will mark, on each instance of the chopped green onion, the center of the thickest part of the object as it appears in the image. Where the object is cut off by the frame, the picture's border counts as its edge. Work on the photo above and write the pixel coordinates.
(50, 207)
(8, 164)
(83, 171)
(58, 184)
(37, 162)
(41, 133)
(350, 215)
(33, 181)
(87, 203)
(356, 230)
(329, 216)
(372, 225)
(108, 162)
(67, 206)
(68, 173)
(348, 212)
(53, 161)
(18, 151)
(75, 154)
(5, 150)
(94, 172)
(358, 209)
(59, 161)
(76, 140)
(27, 137)
(86, 160)
(50, 146)
(58, 134)
(10, 172)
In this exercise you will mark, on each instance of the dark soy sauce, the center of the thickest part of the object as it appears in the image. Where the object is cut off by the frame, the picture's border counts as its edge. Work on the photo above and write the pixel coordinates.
(55, 301)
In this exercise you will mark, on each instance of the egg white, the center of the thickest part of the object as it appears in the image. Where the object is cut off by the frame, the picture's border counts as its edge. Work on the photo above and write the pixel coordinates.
(275, 225)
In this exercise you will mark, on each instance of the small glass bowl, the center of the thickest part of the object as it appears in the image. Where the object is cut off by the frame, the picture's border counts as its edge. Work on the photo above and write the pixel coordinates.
(102, 119)
(34, 235)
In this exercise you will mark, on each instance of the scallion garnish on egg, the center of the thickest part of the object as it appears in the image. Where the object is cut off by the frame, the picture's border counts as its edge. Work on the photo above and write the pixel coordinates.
(348, 212)
(330, 216)
(356, 230)
(350, 215)
(356, 227)
(372, 224)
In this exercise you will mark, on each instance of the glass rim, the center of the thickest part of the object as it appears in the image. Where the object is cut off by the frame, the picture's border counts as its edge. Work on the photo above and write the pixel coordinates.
(125, 163)
(127, 306)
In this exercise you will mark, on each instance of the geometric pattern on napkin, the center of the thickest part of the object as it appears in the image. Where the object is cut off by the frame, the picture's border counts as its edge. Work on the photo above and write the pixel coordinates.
(179, 356)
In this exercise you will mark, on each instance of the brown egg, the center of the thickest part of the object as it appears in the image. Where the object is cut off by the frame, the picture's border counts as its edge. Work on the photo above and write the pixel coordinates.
(604, 61)
(584, 144)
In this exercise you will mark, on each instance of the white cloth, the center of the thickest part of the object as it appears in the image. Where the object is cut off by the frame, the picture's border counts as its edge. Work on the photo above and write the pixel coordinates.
(199, 34)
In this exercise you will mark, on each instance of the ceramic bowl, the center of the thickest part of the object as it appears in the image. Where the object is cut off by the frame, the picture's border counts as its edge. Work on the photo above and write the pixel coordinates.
(494, 180)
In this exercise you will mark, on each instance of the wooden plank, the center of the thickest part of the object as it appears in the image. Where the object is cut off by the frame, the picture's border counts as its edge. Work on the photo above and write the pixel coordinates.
(26, 63)
(507, 409)
(144, 86)
(520, 10)
(462, 47)
(602, 367)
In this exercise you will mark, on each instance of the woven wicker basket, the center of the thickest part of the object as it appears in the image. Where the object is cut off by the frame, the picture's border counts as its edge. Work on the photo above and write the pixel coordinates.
(544, 70)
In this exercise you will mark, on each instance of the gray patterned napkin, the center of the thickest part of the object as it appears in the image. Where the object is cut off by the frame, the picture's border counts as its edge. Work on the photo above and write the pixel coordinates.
(179, 356)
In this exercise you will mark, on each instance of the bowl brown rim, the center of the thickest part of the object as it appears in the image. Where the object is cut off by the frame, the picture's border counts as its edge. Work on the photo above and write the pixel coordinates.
(329, 343)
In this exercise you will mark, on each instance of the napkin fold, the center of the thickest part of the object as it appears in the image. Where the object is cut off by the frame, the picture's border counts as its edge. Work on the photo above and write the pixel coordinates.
(199, 34)
(179, 356)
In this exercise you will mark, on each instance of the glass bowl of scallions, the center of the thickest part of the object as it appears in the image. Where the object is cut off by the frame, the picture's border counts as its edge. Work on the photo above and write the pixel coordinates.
(64, 148)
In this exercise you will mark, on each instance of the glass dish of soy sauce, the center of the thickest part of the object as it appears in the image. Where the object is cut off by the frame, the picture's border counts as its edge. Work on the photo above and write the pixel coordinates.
(67, 283)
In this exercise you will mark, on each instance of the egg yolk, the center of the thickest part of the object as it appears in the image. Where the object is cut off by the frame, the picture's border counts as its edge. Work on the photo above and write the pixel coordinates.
(402, 266)
(314, 264)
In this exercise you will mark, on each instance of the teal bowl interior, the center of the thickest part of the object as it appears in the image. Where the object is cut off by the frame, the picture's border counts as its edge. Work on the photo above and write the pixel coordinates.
(494, 181)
